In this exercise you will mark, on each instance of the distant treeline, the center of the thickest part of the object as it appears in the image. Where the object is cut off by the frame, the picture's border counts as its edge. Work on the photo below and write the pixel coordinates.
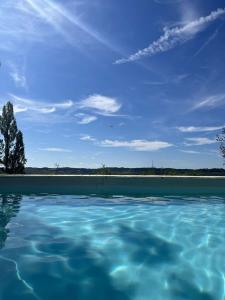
(126, 171)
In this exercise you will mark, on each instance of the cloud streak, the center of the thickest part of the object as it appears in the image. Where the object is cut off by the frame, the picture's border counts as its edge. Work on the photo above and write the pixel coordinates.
(175, 36)
(210, 39)
(191, 129)
(199, 141)
(170, 80)
(19, 26)
(53, 149)
(24, 105)
(83, 112)
(210, 102)
(190, 151)
(19, 79)
(137, 145)
(88, 138)
(61, 18)
(27, 21)
(84, 119)
(18, 75)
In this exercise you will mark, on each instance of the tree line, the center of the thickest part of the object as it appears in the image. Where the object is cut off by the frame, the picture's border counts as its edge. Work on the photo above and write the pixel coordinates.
(12, 152)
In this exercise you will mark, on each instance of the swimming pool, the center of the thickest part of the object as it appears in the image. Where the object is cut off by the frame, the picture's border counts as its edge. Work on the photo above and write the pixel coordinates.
(117, 247)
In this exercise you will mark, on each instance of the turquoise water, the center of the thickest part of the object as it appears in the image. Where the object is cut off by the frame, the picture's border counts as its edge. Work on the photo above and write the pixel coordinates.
(70, 247)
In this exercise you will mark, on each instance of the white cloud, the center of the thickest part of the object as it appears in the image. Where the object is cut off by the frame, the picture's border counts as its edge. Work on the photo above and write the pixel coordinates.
(138, 145)
(175, 36)
(17, 74)
(87, 138)
(98, 104)
(101, 104)
(64, 105)
(83, 112)
(199, 129)
(85, 119)
(25, 105)
(199, 141)
(210, 102)
(190, 151)
(19, 79)
(19, 109)
(210, 152)
(53, 149)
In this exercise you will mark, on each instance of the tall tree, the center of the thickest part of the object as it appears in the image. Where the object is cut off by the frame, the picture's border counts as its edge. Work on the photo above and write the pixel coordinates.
(221, 139)
(11, 146)
(18, 159)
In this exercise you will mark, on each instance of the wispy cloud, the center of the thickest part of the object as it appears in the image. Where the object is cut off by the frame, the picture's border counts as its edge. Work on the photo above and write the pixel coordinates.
(199, 129)
(53, 149)
(88, 138)
(19, 109)
(175, 36)
(170, 80)
(137, 145)
(83, 112)
(19, 79)
(209, 40)
(210, 102)
(190, 151)
(101, 105)
(199, 141)
(58, 16)
(61, 18)
(24, 105)
(18, 26)
(28, 21)
(85, 119)
(17, 76)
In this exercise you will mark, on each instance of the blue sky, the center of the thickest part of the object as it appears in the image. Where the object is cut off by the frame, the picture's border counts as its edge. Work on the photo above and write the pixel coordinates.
(121, 83)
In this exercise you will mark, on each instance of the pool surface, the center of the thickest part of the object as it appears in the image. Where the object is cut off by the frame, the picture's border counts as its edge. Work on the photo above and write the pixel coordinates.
(88, 247)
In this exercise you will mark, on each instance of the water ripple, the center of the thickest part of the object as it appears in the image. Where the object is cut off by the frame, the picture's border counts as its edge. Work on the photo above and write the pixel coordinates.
(54, 247)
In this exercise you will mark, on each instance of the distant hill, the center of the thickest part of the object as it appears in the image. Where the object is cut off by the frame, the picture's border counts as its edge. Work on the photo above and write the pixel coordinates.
(126, 171)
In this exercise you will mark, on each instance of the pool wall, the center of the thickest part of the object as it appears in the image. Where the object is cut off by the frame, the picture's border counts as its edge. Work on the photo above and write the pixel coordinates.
(112, 185)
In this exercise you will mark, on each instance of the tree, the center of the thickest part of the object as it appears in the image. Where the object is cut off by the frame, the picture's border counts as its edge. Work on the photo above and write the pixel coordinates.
(221, 139)
(11, 146)
(18, 159)
(104, 170)
(57, 165)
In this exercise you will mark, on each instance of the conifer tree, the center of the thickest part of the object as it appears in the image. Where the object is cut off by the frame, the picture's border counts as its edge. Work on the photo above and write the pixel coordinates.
(11, 146)
(18, 157)
(221, 139)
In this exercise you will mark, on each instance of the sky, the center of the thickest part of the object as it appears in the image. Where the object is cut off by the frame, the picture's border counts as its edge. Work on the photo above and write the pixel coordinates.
(123, 83)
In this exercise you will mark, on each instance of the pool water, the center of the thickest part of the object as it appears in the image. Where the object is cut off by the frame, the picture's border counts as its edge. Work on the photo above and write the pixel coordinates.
(73, 247)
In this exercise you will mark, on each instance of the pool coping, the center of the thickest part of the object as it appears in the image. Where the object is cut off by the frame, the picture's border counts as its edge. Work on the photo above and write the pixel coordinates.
(113, 184)
(120, 176)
